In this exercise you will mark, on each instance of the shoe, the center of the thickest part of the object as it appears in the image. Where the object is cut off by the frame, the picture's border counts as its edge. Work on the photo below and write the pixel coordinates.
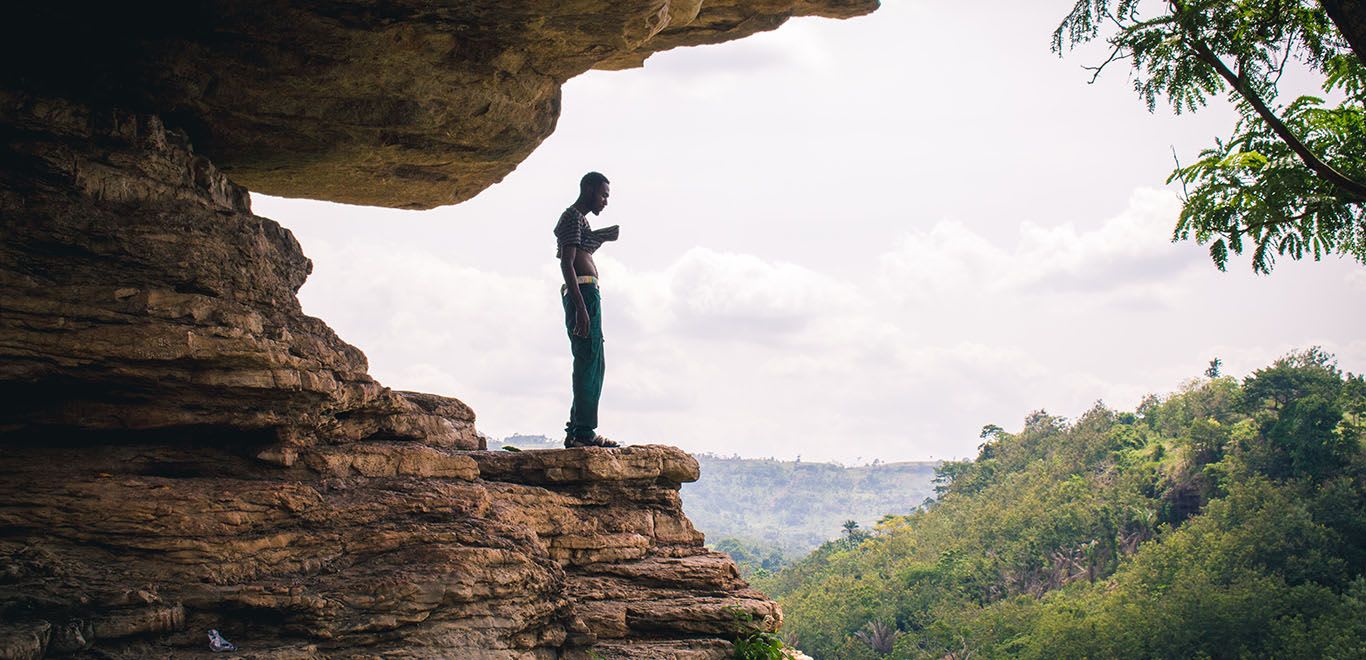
(595, 441)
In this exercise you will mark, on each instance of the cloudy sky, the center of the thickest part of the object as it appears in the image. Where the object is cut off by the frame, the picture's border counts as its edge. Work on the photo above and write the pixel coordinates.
(843, 240)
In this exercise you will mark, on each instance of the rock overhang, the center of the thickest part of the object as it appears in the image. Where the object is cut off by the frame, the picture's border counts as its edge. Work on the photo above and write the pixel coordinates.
(404, 104)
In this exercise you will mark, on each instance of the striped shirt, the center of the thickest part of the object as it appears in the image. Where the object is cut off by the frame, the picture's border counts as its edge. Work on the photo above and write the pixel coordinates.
(573, 230)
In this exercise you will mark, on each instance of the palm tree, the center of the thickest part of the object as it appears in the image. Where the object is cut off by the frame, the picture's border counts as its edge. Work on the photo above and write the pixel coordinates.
(878, 636)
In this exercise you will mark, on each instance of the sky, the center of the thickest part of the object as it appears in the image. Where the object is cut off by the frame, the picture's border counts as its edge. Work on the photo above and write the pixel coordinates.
(841, 240)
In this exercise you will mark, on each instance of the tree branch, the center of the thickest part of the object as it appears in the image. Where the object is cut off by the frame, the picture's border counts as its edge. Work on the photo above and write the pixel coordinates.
(1280, 69)
(1250, 227)
(1114, 55)
(1350, 18)
(1353, 189)
(1185, 194)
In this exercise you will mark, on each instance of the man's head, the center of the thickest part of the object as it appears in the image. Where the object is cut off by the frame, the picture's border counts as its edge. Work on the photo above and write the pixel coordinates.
(593, 190)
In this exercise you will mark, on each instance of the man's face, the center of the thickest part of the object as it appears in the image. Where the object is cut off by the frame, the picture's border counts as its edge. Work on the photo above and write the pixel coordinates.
(598, 201)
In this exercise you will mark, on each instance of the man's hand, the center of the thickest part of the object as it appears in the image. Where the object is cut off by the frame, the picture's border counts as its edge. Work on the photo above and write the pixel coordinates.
(571, 284)
(581, 322)
(608, 233)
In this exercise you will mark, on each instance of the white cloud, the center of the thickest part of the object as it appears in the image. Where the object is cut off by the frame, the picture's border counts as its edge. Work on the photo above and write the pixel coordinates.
(799, 46)
(1129, 250)
(948, 258)
(778, 291)
(906, 357)
(1356, 279)
(711, 295)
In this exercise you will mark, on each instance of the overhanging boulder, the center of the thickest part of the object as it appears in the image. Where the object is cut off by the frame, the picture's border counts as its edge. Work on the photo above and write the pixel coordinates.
(407, 104)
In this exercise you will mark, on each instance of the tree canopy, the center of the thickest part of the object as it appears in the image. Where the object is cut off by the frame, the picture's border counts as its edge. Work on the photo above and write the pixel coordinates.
(1291, 178)
(1227, 520)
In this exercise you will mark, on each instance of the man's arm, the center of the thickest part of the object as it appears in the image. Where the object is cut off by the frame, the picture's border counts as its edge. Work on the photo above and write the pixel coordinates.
(571, 283)
(607, 233)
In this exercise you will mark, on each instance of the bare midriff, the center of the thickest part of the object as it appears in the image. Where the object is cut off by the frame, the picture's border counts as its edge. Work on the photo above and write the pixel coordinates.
(583, 264)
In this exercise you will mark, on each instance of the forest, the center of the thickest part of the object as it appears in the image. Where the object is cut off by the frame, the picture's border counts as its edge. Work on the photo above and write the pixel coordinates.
(766, 513)
(1225, 520)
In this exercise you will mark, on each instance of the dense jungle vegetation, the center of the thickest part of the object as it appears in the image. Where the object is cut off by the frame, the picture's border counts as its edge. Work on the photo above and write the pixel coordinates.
(766, 513)
(1226, 520)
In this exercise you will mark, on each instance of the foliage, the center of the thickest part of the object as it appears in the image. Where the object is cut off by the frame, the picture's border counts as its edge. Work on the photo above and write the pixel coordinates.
(852, 534)
(1291, 180)
(752, 557)
(1226, 520)
(878, 636)
(751, 643)
(1214, 367)
(758, 646)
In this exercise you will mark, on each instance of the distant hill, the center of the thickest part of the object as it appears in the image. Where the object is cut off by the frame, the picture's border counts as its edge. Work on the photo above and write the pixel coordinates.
(794, 506)
(526, 442)
(766, 513)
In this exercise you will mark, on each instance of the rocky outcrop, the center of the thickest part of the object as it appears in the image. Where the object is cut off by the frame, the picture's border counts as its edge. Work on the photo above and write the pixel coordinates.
(184, 449)
(136, 549)
(181, 448)
(140, 293)
(635, 568)
(409, 103)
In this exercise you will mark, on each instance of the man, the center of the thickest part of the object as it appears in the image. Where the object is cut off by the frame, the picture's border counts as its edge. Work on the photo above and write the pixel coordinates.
(576, 242)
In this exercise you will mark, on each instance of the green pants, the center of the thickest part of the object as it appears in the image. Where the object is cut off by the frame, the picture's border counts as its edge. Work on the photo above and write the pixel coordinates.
(589, 364)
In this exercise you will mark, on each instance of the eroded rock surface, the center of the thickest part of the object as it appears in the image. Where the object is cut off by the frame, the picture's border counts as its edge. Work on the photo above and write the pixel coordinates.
(137, 549)
(181, 448)
(184, 449)
(140, 293)
(635, 568)
(410, 104)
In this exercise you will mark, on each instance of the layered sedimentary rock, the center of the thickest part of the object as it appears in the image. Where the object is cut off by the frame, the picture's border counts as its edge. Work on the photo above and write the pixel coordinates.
(636, 570)
(138, 548)
(181, 448)
(184, 449)
(140, 293)
(409, 104)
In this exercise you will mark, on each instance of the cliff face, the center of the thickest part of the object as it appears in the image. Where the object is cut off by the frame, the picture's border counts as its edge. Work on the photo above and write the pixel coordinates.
(181, 448)
(141, 293)
(184, 450)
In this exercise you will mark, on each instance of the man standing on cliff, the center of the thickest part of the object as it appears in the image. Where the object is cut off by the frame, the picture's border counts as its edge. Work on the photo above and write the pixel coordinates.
(576, 242)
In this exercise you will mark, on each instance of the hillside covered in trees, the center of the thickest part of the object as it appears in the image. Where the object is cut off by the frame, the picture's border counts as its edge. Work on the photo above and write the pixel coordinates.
(766, 512)
(1226, 520)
